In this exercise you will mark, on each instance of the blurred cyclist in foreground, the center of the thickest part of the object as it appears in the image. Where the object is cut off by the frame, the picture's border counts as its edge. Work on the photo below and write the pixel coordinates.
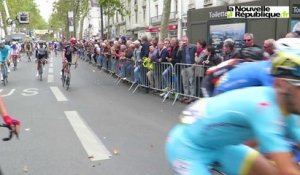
(213, 129)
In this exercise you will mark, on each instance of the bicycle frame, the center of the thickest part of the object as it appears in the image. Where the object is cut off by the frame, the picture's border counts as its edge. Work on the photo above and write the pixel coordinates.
(14, 59)
(40, 68)
(66, 75)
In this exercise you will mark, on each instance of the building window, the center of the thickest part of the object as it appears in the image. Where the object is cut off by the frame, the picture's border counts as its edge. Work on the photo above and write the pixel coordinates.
(172, 33)
(156, 9)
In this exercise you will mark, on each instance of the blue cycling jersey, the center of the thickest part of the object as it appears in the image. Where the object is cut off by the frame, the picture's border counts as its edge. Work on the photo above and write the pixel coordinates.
(229, 119)
(213, 130)
(245, 75)
(5, 51)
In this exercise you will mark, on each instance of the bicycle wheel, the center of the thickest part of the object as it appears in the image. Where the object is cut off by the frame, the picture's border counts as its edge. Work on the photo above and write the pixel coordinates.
(68, 83)
(15, 64)
(40, 72)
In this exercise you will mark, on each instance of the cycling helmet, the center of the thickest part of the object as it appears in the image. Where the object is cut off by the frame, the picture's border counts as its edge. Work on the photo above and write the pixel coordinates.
(287, 44)
(252, 53)
(73, 40)
(287, 61)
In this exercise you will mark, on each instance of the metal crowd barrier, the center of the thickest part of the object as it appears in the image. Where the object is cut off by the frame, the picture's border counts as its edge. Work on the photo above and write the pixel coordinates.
(126, 70)
(188, 80)
(159, 78)
(180, 79)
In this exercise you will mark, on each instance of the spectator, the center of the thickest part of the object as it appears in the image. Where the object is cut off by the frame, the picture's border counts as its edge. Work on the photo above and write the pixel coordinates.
(115, 56)
(210, 58)
(127, 68)
(145, 47)
(137, 62)
(249, 40)
(174, 57)
(188, 57)
(269, 48)
(153, 55)
(229, 50)
(292, 35)
(201, 45)
(122, 61)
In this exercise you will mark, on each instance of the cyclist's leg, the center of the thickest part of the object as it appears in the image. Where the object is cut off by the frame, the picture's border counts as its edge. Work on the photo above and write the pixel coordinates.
(243, 160)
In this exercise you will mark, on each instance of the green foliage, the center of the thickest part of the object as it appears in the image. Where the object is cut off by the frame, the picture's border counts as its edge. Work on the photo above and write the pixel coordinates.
(110, 7)
(35, 19)
(59, 17)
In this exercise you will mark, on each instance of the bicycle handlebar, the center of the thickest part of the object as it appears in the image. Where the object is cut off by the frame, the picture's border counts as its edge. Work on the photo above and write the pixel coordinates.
(11, 132)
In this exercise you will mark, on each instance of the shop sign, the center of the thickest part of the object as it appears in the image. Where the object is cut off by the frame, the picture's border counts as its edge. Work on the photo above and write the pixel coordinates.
(217, 14)
(296, 9)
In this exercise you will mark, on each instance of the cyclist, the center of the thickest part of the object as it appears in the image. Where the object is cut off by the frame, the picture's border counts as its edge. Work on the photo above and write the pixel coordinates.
(41, 53)
(250, 74)
(5, 53)
(213, 129)
(213, 74)
(28, 49)
(13, 123)
(67, 53)
(15, 52)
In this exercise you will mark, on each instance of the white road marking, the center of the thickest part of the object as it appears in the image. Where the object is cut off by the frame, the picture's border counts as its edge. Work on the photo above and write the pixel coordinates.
(50, 78)
(10, 93)
(58, 94)
(30, 92)
(90, 142)
(50, 70)
(51, 65)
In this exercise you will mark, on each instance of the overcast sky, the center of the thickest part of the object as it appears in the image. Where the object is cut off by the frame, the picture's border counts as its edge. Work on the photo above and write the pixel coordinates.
(45, 7)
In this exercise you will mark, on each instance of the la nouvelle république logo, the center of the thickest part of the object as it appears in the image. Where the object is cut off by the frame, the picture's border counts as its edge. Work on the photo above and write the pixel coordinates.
(257, 12)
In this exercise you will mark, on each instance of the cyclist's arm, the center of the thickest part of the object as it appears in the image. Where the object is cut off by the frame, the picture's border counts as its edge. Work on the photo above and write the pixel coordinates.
(3, 110)
(283, 163)
(271, 139)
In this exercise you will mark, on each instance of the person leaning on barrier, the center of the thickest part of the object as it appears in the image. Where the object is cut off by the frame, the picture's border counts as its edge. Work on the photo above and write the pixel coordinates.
(188, 59)
(229, 50)
(115, 56)
(145, 47)
(153, 55)
(137, 61)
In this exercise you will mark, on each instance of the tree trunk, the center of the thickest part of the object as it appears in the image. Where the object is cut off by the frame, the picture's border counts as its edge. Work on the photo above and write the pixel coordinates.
(81, 24)
(165, 20)
(3, 17)
(108, 28)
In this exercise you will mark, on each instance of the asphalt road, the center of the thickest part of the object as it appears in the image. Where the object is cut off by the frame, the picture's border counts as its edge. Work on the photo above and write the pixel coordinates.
(94, 128)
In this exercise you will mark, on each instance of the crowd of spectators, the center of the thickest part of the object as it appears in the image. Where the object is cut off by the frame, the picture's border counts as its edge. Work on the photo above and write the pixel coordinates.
(127, 55)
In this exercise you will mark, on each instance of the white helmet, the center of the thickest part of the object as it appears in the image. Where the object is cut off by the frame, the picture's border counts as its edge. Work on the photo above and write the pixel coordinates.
(287, 44)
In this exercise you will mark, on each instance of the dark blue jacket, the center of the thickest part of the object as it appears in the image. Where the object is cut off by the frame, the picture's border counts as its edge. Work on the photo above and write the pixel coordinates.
(192, 51)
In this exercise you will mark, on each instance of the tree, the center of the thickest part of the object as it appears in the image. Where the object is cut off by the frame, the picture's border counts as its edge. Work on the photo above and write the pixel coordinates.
(165, 20)
(59, 17)
(15, 6)
(110, 7)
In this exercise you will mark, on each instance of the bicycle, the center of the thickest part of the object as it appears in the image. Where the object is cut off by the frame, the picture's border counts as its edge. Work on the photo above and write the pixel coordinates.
(40, 68)
(4, 73)
(15, 62)
(29, 53)
(12, 131)
(66, 75)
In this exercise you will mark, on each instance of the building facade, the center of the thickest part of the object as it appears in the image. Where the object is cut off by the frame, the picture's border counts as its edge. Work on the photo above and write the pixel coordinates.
(211, 23)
